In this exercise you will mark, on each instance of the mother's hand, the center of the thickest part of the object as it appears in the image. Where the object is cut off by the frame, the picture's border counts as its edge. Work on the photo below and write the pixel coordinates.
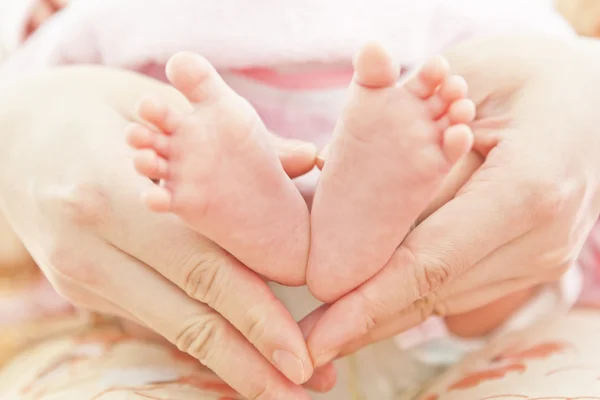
(69, 189)
(520, 220)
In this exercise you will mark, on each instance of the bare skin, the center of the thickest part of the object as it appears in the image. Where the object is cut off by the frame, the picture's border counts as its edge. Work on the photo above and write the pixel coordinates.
(583, 15)
(484, 77)
(219, 171)
(42, 12)
(99, 198)
(391, 150)
(535, 197)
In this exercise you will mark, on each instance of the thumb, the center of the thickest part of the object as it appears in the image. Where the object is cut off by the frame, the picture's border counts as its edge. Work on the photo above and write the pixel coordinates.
(482, 217)
(296, 156)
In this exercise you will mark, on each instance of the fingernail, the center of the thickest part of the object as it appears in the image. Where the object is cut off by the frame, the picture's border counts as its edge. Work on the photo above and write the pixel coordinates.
(323, 154)
(290, 365)
(323, 379)
(325, 357)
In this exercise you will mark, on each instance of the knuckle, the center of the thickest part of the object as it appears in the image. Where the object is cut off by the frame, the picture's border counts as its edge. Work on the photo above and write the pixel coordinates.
(434, 277)
(428, 306)
(545, 198)
(254, 325)
(84, 204)
(421, 309)
(200, 337)
(429, 272)
(204, 277)
(432, 274)
(376, 312)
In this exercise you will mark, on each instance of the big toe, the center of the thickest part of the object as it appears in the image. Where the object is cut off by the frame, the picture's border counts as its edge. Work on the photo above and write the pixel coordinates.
(193, 76)
(374, 67)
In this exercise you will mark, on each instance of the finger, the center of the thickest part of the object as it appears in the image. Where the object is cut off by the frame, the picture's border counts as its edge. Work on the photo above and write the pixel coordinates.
(84, 297)
(415, 314)
(139, 330)
(297, 157)
(323, 380)
(210, 275)
(483, 295)
(324, 377)
(409, 318)
(80, 294)
(484, 320)
(483, 217)
(507, 262)
(93, 301)
(194, 328)
(308, 323)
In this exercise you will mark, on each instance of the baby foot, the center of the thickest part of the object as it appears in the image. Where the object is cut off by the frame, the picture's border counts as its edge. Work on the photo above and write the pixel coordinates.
(391, 150)
(219, 174)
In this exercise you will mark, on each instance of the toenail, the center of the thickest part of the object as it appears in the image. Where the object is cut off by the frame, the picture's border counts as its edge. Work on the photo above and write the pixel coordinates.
(324, 153)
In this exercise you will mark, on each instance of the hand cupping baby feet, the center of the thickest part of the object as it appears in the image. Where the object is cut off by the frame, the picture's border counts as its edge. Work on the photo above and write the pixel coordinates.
(392, 148)
(219, 171)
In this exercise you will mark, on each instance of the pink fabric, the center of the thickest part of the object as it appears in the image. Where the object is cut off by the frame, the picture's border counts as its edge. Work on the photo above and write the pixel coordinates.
(259, 33)
(301, 80)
